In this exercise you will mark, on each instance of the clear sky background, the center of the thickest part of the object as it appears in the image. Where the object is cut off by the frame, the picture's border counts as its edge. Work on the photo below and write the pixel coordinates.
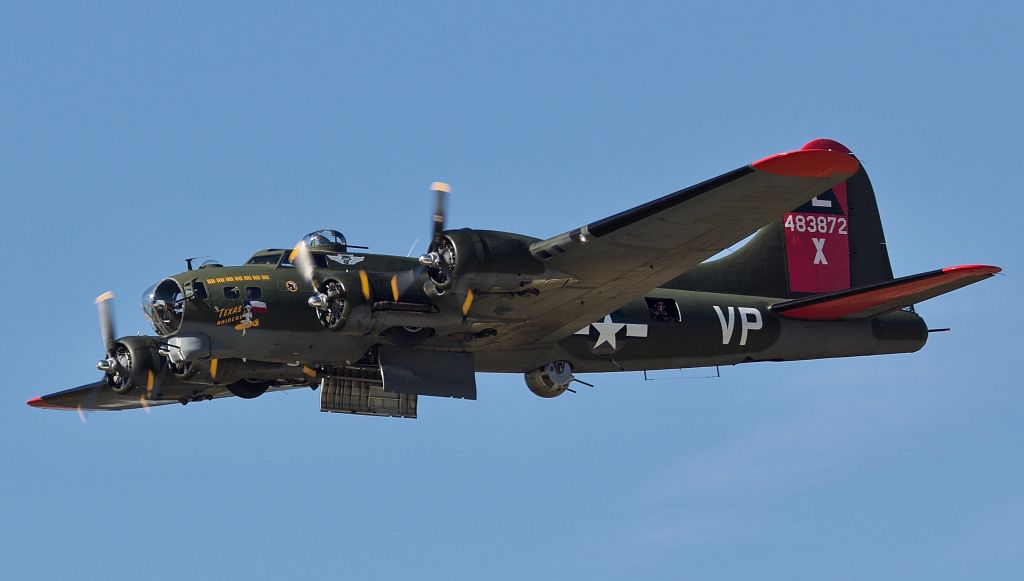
(133, 135)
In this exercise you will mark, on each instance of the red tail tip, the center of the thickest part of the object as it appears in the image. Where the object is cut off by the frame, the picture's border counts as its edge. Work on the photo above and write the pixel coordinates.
(973, 269)
(37, 402)
(808, 163)
(827, 144)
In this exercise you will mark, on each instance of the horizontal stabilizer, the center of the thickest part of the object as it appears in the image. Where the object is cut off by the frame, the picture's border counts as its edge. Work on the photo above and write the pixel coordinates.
(868, 301)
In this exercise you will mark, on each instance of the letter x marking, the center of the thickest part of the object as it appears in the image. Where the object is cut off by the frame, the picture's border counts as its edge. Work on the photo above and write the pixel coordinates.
(819, 250)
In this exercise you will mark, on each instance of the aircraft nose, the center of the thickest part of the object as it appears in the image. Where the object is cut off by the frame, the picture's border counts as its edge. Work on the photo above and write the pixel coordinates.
(164, 306)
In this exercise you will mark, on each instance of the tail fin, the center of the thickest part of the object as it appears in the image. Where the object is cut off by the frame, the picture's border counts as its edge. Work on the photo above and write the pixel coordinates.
(831, 243)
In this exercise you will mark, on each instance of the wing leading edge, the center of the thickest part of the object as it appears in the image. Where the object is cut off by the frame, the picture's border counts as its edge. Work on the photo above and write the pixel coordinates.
(614, 260)
(99, 397)
(93, 396)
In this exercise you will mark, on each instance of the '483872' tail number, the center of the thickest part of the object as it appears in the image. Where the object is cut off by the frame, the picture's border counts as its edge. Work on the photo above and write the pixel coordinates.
(812, 223)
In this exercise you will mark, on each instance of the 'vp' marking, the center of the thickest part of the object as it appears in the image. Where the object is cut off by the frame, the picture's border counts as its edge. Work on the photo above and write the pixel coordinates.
(750, 320)
(819, 251)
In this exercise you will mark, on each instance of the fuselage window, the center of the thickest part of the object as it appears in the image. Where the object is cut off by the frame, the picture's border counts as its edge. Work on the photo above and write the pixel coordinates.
(663, 310)
(232, 293)
(253, 293)
(200, 290)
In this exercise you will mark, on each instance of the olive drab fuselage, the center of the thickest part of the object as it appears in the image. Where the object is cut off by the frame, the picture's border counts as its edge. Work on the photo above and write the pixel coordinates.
(260, 312)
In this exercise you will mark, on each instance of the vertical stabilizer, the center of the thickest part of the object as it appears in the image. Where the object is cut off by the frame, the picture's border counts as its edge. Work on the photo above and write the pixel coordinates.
(831, 243)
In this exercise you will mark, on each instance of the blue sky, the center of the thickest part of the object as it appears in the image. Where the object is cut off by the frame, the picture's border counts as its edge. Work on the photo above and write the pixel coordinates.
(133, 136)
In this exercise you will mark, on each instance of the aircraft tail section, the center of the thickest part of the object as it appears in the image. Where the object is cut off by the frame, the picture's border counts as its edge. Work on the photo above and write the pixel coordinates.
(831, 243)
(868, 301)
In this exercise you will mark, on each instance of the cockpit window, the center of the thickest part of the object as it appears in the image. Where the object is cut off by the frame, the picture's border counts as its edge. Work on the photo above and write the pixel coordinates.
(271, 259)
(319, 259)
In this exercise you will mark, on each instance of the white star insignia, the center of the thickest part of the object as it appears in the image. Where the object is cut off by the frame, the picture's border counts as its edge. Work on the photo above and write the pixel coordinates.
(607, 330)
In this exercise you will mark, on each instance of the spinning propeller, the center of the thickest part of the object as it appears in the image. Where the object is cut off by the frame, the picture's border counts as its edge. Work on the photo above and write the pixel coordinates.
(440, 255)
(122, 362)
(329, 296)
(438, 261)
(103, 308)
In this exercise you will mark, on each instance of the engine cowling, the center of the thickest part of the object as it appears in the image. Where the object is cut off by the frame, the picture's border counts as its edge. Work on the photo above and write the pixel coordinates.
(343, 301)
(233, 370)
(132, 362)
(484, 259)
(552, 380)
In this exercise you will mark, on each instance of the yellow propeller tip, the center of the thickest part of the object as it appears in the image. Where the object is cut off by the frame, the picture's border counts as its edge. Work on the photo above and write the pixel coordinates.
(440, 187)
(104, 297)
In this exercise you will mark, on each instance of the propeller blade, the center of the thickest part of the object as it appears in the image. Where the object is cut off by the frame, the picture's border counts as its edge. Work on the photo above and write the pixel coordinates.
(302, 258)
(402, 281)
(104, 308)
(90, 399)
(441, 191)
(154, 381)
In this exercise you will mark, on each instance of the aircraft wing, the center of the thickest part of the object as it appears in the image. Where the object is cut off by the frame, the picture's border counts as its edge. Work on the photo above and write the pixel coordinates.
(98, 397)
(601, 266)
(93, 396)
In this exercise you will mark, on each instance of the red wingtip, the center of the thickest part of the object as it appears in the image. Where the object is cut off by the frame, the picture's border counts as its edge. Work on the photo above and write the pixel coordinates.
(973, 269)
(809, 163)
(38, 402)
(827, 144)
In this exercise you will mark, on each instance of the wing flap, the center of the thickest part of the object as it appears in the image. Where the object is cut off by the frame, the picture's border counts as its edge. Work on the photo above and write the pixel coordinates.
(868, 301)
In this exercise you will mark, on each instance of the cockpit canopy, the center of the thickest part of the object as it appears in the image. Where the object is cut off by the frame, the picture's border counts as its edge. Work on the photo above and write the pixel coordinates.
(323, 242)
(326, 240)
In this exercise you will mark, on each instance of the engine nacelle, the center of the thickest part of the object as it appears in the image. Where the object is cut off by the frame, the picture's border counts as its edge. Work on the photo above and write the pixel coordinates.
(133, 362)
(552, 380)
(344, 302)
(485, 260)
(232, 370)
